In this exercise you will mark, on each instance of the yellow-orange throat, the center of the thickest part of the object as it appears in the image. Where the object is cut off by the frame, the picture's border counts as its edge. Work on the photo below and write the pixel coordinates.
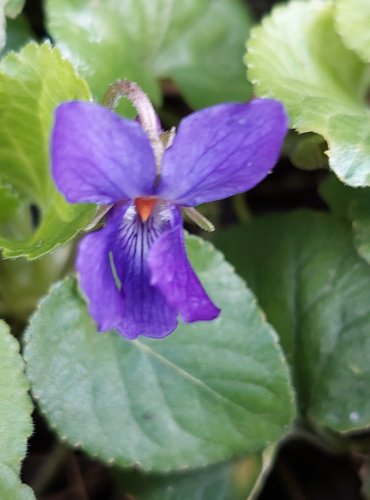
(144, 207)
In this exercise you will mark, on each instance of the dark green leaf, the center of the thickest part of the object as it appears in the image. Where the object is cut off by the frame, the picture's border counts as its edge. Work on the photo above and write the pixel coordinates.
(232, 480)
(18, 33)
(353, 205)
(315, 290)
(8, 8)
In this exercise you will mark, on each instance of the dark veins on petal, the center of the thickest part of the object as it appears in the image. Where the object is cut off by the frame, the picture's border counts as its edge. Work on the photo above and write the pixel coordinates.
(145, 309)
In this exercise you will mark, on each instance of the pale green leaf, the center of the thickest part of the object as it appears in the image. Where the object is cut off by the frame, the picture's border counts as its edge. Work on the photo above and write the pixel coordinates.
(198, 43)
(15, 404)
(213, 71)
(297, 57)
(315, 290)
(13, 7)
(9, 202)
(208, 392)
(11, 488)
(32, 83)
(353, 21)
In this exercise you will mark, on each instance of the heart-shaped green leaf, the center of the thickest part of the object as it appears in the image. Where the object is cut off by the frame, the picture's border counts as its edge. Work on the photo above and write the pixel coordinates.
(15, 404)
(32, 83)
(297, 57)
(315, 290)
(208, 392)
(198, 43)
(353, 21)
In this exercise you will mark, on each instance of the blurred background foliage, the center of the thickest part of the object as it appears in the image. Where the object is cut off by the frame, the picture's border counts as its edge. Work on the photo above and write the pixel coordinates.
(311, 465)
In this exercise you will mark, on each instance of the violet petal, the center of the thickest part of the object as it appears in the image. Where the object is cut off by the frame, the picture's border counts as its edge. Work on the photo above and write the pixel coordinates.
(222, 150)
(99, 157)
(96, 279)
(173, 275)
(145, 309)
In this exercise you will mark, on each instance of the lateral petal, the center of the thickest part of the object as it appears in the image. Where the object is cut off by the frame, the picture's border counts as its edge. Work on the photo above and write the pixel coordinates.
(96, 279)
(173, 275)
(99, 157)
(222, 150)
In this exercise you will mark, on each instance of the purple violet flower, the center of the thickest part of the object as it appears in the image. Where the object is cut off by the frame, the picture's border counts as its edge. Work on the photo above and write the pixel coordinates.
(134, 271)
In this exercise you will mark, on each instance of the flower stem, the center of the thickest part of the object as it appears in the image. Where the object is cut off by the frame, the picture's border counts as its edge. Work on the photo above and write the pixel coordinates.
(145, 111)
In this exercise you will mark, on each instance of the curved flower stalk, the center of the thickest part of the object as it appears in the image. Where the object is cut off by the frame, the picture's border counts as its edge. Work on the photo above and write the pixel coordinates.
(134, 271)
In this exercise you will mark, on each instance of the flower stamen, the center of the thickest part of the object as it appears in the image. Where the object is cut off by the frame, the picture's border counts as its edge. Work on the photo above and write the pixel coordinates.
(144, 207)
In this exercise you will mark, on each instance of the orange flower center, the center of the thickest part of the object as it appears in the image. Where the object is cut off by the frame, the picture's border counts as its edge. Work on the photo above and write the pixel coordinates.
(144, 207)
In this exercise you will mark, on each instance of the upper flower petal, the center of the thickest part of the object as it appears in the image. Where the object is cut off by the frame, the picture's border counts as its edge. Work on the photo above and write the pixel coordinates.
(173, 275)
(222, 150)
(145, 309)
(99, 157)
